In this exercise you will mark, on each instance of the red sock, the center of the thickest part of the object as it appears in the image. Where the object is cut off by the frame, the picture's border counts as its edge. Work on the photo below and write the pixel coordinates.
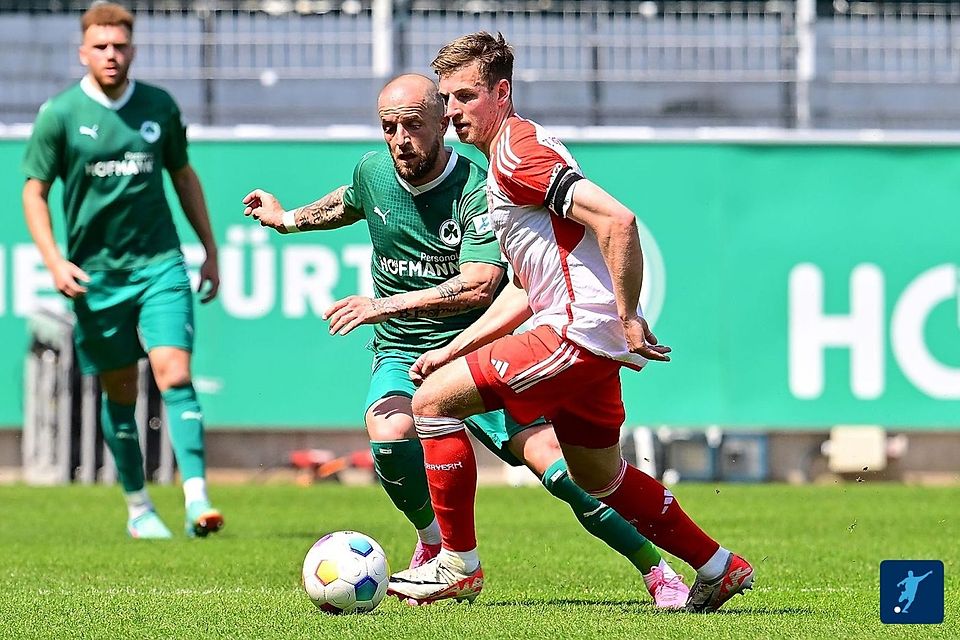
(452, 476)
(652, 509)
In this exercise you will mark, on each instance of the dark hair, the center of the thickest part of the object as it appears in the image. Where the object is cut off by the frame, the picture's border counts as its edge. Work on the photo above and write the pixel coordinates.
(494, 57)
(109, 14)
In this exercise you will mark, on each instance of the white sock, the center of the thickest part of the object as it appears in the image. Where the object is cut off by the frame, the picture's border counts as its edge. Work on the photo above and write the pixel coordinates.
(668, 573)
(462, 561)
(138, 503)
(430, 534)
(194, 489)
(715, 565)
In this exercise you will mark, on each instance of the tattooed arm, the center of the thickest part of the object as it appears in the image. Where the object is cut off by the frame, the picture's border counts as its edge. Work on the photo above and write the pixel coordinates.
(329, 212)
(474, 287)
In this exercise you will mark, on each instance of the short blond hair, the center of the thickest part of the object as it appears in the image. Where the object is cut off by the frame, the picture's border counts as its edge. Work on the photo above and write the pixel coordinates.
(107, 14)
(494, 57)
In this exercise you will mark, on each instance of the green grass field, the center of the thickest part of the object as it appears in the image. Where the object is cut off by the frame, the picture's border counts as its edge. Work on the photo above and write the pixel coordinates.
(67, 569)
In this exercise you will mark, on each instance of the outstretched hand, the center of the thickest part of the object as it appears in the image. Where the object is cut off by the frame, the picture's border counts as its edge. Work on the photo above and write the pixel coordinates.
(265, 208)
(640, 340)
(347, 314)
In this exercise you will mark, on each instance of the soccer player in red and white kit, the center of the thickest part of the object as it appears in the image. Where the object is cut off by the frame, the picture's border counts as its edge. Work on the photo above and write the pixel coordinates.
(578, 267)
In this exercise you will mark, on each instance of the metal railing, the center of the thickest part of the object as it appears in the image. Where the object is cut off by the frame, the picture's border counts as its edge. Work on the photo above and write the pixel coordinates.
(62, 441)
(271, 61)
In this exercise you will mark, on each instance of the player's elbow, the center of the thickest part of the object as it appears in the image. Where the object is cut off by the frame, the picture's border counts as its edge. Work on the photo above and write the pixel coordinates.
(619, 223)
(481, 282)
(623, 221)
(483, 293)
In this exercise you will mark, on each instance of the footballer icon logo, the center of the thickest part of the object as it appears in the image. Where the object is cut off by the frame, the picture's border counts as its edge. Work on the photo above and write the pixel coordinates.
(450, 233)
(150, 131)
(911, 592)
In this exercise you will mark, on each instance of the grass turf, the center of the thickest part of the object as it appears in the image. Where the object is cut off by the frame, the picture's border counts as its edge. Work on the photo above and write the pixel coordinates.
(67, 569)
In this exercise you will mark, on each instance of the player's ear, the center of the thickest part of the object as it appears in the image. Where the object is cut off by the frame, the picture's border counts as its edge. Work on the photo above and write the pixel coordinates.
(503, 90)
(83, 56)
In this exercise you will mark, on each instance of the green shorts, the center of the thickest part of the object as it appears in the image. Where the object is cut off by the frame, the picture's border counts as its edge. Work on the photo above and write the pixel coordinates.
(125, 314)
(494, 430)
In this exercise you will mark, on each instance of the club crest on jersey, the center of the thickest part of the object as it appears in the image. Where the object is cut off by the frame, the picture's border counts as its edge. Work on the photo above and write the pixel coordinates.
(150, 131)
(450, 233)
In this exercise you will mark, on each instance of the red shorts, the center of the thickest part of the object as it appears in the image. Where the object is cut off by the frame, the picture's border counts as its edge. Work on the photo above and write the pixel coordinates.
(538, 373)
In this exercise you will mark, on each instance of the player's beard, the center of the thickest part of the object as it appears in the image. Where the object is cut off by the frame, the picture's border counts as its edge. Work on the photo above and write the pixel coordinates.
(422, 167)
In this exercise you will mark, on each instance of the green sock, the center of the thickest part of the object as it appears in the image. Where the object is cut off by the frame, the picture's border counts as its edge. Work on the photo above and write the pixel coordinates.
(119, 427)
(186, 430)
(600, 520)
(399, 465)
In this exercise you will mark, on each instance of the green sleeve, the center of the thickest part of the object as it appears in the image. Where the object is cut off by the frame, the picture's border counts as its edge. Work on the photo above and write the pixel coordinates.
(43, 158)
(351, 197)
(175, 142)
(479, 244)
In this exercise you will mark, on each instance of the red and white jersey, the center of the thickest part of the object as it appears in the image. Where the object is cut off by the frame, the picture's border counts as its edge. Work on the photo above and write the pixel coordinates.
(557, 261)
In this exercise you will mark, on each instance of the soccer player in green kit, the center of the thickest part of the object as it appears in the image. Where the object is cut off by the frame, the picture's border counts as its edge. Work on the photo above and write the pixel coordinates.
(109, 139)
(436, 267)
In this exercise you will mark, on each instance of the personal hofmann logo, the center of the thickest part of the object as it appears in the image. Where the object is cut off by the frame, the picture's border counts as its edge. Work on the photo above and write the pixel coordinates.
(911, 591)
(132, 164)
(150, 131)
(450, 233)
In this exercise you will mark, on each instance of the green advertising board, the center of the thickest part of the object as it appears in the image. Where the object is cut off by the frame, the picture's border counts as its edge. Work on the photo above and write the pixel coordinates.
(799, 285)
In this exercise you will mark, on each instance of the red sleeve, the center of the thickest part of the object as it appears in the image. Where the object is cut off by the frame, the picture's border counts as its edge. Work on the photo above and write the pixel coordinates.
(522, 166)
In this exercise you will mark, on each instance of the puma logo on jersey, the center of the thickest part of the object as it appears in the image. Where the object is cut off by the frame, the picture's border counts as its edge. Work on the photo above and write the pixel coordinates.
(90, 131)
(191, 415)
(382, 214)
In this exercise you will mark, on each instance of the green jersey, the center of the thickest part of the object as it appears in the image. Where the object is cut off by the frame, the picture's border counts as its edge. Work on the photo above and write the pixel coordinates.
(421, 236)
(110, 156)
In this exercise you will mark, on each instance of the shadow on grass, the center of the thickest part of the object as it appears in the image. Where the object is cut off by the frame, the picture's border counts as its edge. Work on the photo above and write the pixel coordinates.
(553, 602)
(645, 606)
(769, 611)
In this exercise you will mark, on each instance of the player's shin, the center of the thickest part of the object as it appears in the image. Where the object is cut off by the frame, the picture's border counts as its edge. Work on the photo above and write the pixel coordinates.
(399, 467)
(600, 520)
(451, 470)
(186, 430)
(186, 436)
(641, 499)
(119, 427)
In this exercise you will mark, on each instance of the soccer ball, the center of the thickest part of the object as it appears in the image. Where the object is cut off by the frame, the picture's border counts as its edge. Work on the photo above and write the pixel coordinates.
(346, 572)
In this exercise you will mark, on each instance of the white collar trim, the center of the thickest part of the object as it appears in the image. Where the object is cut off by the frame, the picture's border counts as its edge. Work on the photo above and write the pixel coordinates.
(97, 95)
(447, 170)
